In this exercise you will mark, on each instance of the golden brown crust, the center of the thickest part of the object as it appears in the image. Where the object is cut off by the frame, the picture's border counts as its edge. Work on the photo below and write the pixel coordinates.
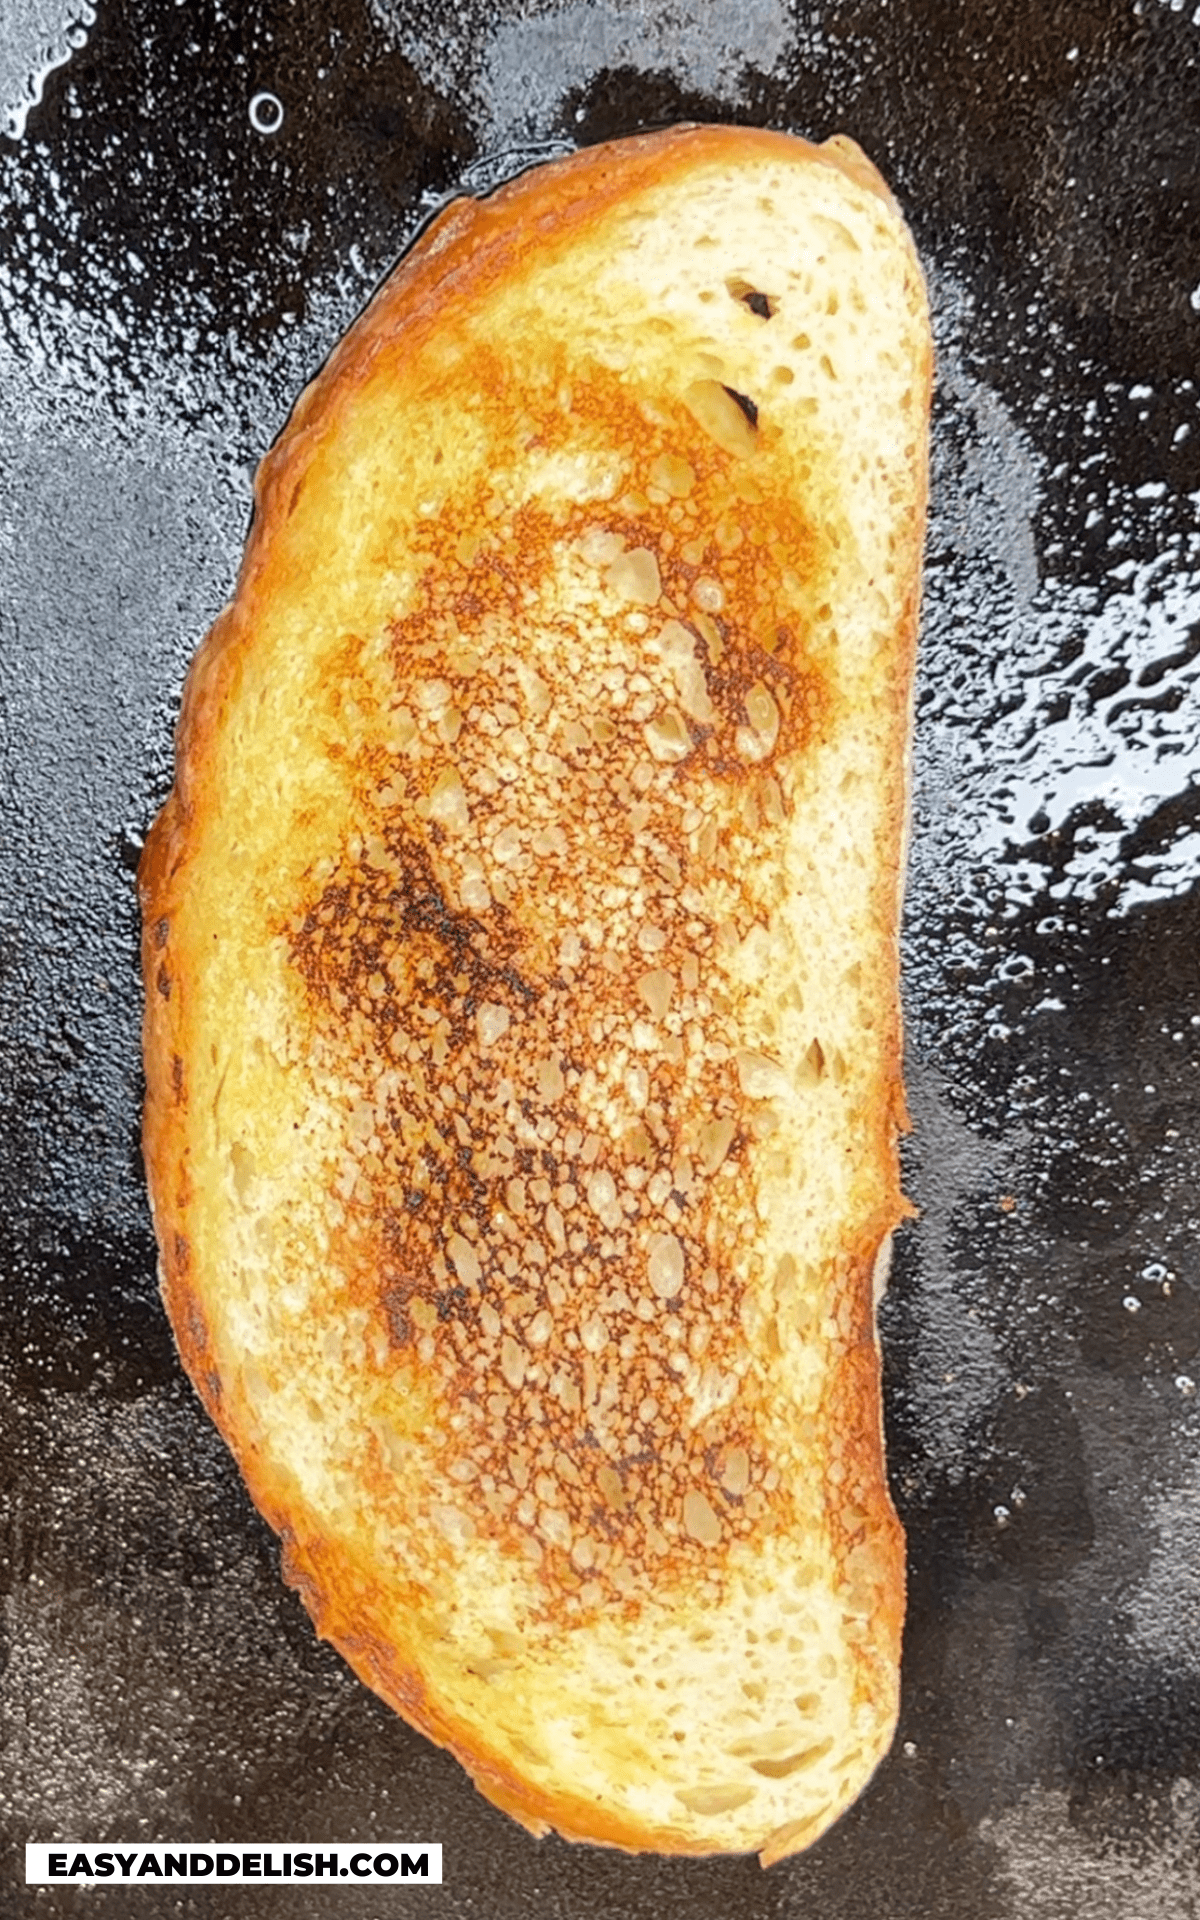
(469, 252)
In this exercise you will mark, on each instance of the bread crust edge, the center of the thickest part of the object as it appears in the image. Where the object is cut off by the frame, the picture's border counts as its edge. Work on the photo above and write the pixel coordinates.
(454, 243)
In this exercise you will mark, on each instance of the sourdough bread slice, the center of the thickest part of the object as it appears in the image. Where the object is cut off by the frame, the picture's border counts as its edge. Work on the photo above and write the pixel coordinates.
(522, 1031)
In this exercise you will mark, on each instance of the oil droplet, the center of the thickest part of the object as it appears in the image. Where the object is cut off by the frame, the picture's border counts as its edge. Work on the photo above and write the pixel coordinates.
(266, 113)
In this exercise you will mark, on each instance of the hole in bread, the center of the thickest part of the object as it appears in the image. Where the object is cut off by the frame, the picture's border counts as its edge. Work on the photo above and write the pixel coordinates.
(746, 404)
(762, 305)
(722, 414)
(792, 1762)
(715, 1799)
(766, 1744)
(812, 1067)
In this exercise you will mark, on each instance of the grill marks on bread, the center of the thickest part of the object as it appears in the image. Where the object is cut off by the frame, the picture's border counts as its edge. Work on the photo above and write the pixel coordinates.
(519, 968)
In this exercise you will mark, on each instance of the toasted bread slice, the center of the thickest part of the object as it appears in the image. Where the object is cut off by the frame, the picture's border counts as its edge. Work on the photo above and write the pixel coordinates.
(522, 1031)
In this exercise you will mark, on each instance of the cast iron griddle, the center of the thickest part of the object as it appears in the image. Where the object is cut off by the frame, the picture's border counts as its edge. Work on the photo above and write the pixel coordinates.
(169, 278)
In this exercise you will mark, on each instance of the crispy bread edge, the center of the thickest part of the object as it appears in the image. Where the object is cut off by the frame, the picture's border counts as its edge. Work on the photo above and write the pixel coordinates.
(472, 242)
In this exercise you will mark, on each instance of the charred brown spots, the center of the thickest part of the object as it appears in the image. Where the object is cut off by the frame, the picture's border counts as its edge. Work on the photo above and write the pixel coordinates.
(346, 944)
(401, 974)
(517, 971)
(510, 1230)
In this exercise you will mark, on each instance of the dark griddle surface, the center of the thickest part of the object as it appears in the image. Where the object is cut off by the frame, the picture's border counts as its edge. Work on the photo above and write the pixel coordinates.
(169, 277)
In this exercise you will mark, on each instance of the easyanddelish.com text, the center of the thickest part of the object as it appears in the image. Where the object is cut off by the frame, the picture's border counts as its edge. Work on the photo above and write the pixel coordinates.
(49, 1863)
